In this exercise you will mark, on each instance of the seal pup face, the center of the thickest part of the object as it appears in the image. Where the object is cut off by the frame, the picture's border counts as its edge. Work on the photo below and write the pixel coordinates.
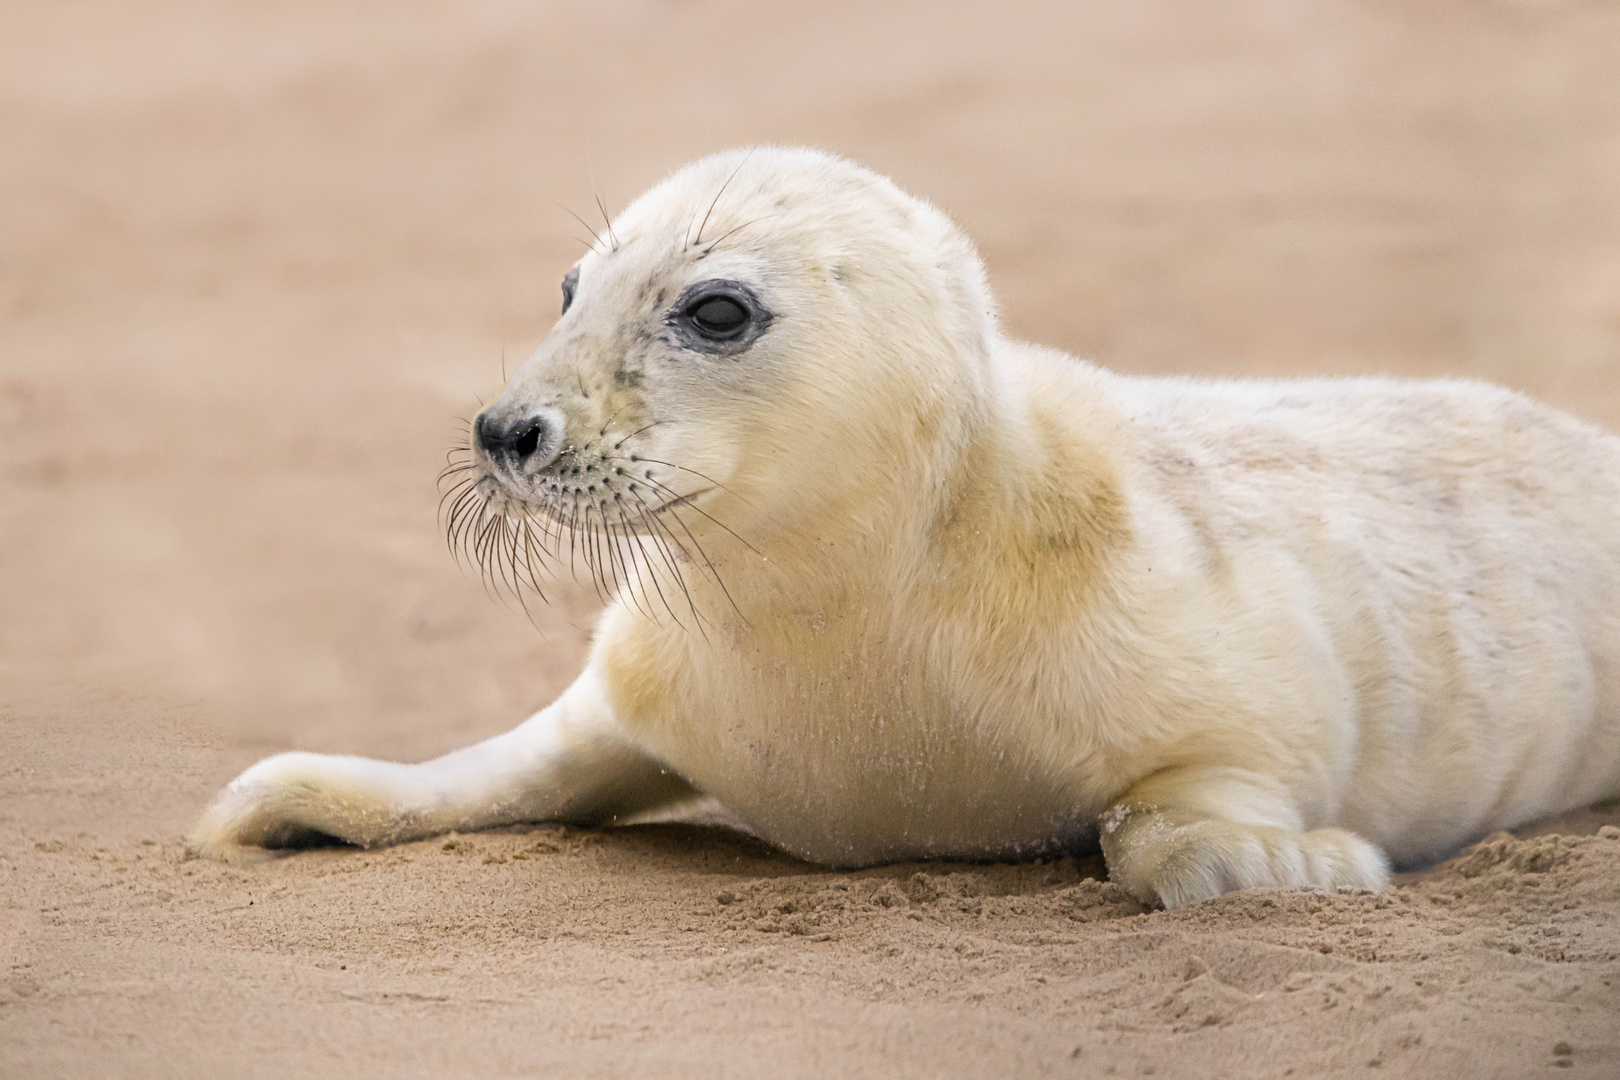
(766, 337)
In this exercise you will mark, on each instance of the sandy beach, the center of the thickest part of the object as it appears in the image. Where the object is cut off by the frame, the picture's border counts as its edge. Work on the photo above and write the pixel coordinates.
(258, 262)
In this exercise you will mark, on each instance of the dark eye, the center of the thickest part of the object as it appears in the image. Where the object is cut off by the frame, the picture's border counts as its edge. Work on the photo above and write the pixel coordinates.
(718, 317)
(570, 281)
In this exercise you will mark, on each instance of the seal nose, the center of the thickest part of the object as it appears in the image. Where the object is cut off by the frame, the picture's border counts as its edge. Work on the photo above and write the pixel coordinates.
(520, 440)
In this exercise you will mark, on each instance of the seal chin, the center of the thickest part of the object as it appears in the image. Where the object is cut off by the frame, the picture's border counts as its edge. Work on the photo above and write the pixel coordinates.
(504, 500)
(501, 498)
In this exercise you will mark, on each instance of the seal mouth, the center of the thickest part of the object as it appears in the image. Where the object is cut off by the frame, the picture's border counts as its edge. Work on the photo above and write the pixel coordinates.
(582, 514)
(595, 506)
(629, 532)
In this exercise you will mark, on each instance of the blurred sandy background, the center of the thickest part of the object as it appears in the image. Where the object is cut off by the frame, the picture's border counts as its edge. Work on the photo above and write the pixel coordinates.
(255, 259)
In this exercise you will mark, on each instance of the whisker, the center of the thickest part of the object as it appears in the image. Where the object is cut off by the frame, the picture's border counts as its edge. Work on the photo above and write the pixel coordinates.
(638, 431)
(717, 195)
(618, 550)
(517, 594)
(604, 552)
(453, 518)
(486, 528)
(604, 540)
(684, 469)
(635, 545)
(683, 500)
(621, 577)
(634, 552)
(593, 557)
(547, 526)
(582, 221)
(493, 538)
(716, 242)
(458, 484)
(456, 489)
(472, 519)
(462, 512)
(529, 559)
(574, 533)
(469, 522)
(609, 422)
(528, 568)
(606, 219)
(671, 511)
(509, 559)
(641, 550)
(659, 530)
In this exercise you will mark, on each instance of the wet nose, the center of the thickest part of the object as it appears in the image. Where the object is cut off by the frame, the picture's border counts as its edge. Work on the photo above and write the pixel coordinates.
(520, 439)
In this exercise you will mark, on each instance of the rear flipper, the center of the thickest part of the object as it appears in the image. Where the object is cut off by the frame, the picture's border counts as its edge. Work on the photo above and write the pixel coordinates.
(1190, 834)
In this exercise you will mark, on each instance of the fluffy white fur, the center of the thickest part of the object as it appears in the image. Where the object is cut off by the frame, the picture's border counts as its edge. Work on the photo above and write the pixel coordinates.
(981, 598)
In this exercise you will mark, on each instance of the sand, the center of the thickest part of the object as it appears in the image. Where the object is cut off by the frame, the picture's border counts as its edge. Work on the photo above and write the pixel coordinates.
(255, 260)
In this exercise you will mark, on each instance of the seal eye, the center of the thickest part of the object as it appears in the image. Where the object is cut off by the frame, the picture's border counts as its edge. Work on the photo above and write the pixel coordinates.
(718, 317)
(570, 281)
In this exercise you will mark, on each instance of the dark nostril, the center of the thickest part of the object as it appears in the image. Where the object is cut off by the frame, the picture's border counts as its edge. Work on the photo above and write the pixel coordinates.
(526, 437)
(520, 440)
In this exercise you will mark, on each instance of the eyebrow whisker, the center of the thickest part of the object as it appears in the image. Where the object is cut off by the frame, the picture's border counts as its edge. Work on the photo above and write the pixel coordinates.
(717, 195)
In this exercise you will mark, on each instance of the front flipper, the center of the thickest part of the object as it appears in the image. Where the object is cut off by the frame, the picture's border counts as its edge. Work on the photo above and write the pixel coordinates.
(1189, 834)
(567, 763)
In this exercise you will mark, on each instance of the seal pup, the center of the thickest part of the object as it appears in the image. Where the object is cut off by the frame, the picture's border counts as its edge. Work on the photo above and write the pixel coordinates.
(892, 586)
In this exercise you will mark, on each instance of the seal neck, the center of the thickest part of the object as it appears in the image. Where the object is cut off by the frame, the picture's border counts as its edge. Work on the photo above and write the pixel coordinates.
(1033, 506)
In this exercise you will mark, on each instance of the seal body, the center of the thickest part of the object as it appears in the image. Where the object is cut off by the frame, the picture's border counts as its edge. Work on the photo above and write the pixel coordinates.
(892, 586)
(1395, 600)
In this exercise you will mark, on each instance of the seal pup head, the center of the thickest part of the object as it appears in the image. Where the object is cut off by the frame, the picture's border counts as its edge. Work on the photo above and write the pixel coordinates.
(767, 338)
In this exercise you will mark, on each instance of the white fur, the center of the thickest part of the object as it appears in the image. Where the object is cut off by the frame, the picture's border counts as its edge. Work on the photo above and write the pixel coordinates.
(992, 597)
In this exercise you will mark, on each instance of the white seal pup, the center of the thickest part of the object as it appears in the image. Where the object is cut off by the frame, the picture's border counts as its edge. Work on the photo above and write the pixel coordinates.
(892, 586)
